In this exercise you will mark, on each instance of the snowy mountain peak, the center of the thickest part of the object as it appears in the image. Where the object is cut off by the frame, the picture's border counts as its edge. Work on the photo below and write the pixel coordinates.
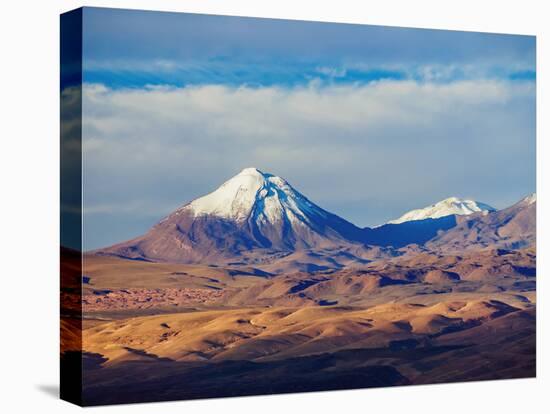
(530, 199)
(451, 200)
(254, 194)
(251, 171)
(447, 207)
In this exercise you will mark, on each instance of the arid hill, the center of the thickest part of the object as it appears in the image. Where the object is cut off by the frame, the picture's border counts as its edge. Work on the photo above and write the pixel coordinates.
(258, 350)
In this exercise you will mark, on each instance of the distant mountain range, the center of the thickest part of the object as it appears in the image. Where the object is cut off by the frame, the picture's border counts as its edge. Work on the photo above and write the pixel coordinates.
(511, 228)
(258, 218)
(448, 207)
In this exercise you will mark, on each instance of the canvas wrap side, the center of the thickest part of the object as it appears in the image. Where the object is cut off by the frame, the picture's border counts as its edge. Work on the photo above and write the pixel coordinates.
(71, 206)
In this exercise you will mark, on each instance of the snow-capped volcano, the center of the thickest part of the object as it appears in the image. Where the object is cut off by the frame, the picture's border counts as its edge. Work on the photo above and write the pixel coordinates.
(253, 194)
(449, 206)
(252, 210)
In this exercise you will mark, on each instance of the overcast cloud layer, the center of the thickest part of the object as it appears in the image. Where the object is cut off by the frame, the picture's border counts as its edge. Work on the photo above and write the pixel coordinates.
(368, 152)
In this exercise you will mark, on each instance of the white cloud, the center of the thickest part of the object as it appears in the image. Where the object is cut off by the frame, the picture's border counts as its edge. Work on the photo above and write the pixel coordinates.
(367, 152)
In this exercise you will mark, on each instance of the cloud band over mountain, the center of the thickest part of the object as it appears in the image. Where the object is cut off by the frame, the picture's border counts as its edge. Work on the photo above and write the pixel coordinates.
(381, 148)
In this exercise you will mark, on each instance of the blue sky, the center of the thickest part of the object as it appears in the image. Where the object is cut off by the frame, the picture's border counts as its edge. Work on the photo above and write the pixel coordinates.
(126, 48)
(367, 121)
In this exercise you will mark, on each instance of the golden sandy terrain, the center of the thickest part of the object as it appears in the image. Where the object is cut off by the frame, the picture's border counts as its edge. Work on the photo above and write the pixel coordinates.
(187, 331)
(259, 334)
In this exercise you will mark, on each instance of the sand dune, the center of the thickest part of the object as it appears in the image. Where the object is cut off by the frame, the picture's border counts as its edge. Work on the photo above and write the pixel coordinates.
(259, 333)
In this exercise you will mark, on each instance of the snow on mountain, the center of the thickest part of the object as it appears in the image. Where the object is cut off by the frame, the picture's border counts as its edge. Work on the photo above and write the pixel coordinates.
(514, 227)
(530, 199)
(258, 195)
(447, 207)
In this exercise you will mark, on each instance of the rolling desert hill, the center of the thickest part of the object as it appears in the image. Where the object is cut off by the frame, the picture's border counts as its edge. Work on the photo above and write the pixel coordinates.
(502, 273)
(259, 334)
(109, 272)
(257, 350)
(413, 319)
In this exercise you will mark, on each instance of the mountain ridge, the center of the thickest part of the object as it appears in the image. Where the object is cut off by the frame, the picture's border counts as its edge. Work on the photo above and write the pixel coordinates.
(257, 218)
(513, 227)
(447, 207)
